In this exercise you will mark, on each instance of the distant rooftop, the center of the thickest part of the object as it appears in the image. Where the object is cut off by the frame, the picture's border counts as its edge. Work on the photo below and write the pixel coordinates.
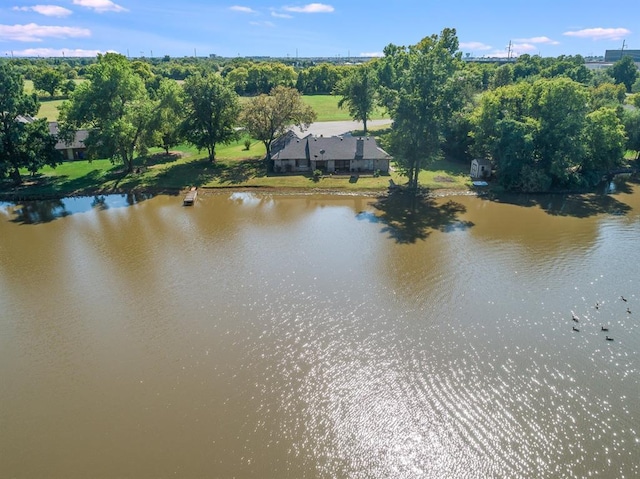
(615, 55)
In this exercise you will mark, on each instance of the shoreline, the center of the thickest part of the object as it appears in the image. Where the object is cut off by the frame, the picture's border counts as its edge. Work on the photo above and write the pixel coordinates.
(14, 197)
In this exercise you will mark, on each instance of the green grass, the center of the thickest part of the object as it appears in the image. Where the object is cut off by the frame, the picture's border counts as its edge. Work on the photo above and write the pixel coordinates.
(234, 168)
(49, 109)
(326, 107)
(446, 174)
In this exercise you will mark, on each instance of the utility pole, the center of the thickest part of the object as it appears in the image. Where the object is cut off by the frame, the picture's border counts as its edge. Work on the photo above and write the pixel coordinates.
(509, 51)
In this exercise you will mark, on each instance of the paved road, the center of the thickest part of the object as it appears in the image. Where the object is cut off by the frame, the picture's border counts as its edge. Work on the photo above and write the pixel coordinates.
(332, 128)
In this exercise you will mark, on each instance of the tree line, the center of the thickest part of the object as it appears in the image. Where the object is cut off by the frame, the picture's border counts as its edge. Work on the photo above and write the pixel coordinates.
(547, 123)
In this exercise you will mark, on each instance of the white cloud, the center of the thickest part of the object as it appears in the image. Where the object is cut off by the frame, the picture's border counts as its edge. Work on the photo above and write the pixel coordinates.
(475, 46)
(600, 33)
(280, 15)
(311, 8)
(47, 10)
(263, 24)
(523, 47)
(53, 52)
(100, 6)
(33, 32)
(545, 40)
(238, 8)
(372, 54)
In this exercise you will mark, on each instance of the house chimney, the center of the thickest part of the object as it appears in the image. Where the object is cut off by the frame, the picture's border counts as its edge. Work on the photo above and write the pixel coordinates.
(359, 148)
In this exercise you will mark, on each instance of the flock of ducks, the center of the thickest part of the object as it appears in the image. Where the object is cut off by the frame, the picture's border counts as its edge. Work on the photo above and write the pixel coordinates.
(576, 319)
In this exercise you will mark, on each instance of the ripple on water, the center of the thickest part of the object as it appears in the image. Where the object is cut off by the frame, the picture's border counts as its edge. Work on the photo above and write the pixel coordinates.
(373, 402)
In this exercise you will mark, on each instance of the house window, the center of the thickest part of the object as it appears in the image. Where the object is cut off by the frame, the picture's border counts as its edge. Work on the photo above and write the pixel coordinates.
(342, 165)
(302, 163)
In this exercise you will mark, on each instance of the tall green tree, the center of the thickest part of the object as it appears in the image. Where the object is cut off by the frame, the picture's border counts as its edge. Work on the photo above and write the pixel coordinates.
(605, 139)
(114, 106)
(266, 117)
(23, 143)
(358, 91)
(607, 94)
(539, 134)
(560, 106)
(421, 89)
(211, 110)
(631, 121)
(48, 80)
(167, 116)
(625, 71)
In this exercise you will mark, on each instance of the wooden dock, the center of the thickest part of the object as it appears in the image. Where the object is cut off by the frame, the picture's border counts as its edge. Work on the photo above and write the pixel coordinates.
(190, 197)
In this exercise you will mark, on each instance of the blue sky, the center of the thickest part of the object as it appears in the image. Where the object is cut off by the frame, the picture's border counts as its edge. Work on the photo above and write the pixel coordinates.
(333, 28)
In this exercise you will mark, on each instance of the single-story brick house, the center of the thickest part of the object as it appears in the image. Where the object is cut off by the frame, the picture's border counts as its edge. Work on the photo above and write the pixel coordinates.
(340, 154)
(76, 149)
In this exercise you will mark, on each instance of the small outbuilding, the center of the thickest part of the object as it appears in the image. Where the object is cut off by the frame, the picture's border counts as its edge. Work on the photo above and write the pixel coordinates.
(480, 168)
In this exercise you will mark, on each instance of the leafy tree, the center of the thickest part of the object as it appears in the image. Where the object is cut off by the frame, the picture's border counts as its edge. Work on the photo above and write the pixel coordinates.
(48, 80)
(635, 100)
(262, 77)
(601, 76)
(23, 143)
(320, 79)
(211, 110)
(569, 66)
(237, 77)
(527, 66)
(114, 107)
(504, 131)
(534, 132)
(625, 71)
(503, 76)
(167, 116)
(421, 90)
(67, 87)
(607, 94)
(631, 121)
(560, 106)
(605, 139)
(266, 117)
(358, 91)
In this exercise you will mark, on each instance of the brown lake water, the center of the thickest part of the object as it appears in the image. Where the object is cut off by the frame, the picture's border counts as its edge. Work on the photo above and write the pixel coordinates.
(267, 336)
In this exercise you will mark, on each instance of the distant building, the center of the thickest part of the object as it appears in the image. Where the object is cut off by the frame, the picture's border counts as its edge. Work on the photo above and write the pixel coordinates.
(615, 55)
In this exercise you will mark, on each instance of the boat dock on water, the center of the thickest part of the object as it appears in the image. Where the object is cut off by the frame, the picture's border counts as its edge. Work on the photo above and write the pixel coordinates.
(190, 197)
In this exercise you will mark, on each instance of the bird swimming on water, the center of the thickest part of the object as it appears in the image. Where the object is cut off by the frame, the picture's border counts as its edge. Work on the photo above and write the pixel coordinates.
(623, 299)
(576, 329)
(608, 338)
(602, 328)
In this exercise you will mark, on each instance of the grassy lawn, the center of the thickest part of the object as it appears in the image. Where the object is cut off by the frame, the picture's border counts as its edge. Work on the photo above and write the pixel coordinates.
(235, 167)
(326, 107)
(49, 109)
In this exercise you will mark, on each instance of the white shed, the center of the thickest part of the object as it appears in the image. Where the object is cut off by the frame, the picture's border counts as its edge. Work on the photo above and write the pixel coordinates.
(480, 168)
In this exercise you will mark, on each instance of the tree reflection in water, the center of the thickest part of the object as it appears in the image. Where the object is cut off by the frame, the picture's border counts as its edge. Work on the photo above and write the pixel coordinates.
(408, 217)
(41, 211)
